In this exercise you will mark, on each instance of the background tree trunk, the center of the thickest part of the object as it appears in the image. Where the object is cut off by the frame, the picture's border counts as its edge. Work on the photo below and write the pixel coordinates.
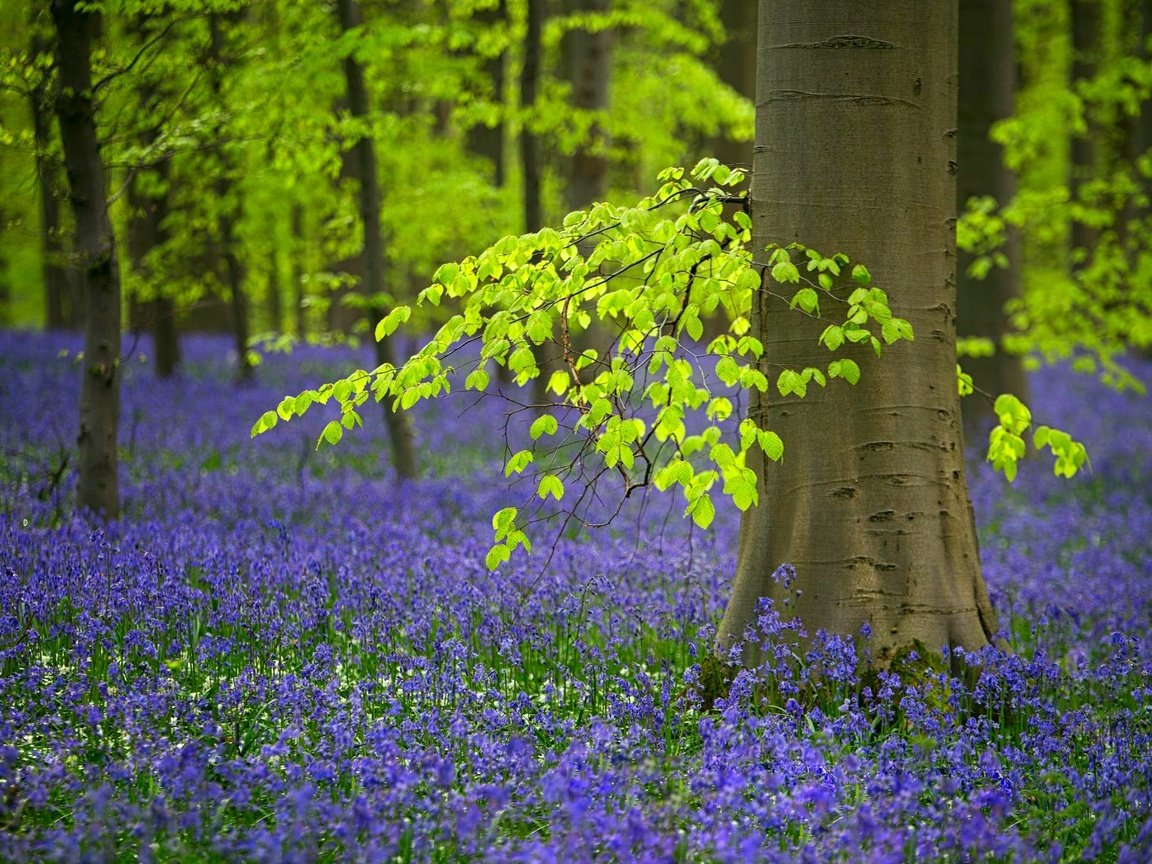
(484, 140)
(855, 152)
(529, 141)
(98, 486)
(987, 87)
(589, 54)
(400, 431)
(1086, 15)
(63, 300)
(226, 220)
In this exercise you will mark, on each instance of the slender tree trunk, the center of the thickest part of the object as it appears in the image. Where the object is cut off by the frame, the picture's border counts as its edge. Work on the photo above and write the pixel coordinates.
(275, 295)
(63, 304)
(736, 66)
(299, 309)
(400, 431)
(987, 88)
(98, 486)
(855, 150)
(1086, 15)
(226, 221)
(590, 58)
(147, 233)
(529, 141)
(485, 140)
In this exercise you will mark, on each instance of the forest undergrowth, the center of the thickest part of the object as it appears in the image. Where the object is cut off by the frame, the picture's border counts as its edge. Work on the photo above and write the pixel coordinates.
(281, 653)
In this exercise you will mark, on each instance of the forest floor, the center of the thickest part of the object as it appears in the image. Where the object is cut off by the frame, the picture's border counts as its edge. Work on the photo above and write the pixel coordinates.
(283, 654)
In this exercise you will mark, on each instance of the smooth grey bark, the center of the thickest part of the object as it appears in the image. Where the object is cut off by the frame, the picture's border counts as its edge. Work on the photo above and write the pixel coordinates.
(98, 487)
(400, 432)
(987, 94)
(855, 152)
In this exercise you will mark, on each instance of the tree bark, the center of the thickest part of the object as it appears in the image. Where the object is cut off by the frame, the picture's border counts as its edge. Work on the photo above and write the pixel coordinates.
(590, 71)
(855, 150)
(400, 431)
(987, 88)
(299, 309)
(63, 300)
(736, 67)
(484, 140)
(147, 233)
(98, 482)
(529, 141)
(226, 221)
(1086, 24)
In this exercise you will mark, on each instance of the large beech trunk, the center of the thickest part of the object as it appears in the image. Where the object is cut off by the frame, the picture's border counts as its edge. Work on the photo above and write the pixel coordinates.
(987, 88)
(404, 458)
(98, 484)
(855, 152)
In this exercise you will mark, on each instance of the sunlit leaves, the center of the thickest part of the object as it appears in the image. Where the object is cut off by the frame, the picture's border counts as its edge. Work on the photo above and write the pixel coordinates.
(652, 273)
(1006, 445)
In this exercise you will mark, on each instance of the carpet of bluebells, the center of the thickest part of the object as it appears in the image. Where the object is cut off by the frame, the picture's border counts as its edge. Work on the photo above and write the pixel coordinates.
(283, 654)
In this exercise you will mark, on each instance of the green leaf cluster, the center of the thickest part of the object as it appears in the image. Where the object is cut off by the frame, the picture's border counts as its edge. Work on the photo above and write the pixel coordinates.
(649, 274)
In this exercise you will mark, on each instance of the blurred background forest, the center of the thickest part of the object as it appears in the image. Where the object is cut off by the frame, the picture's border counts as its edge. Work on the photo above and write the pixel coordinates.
(234, 137)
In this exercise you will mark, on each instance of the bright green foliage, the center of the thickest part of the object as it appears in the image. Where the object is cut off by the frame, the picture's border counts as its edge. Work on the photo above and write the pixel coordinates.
(649, 274)
(1087, 247)
(1006, 442)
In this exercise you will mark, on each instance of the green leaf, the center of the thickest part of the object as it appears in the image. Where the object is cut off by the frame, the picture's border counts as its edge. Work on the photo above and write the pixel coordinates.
(771, 444)
(702, 510)
(517, 462)
(550, 484)
(545, 424)
(807, 300)
(333, 432)
(388, 324)
(477, 380)
(785, 271)
(845, 368)
(496, 556)
(832, 337)
(267, 421)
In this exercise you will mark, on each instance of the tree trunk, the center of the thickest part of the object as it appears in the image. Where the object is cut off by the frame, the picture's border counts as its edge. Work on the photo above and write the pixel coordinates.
(226, 221)
(736, 67)
(1086, 22)
(98, 485)
(300, 310)
(987, 87)
(275, 298)
(590, 71)
(63, 300)
(484, 140)
(146, 233)
(855, 150)
(529, 142)
(400, 431)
